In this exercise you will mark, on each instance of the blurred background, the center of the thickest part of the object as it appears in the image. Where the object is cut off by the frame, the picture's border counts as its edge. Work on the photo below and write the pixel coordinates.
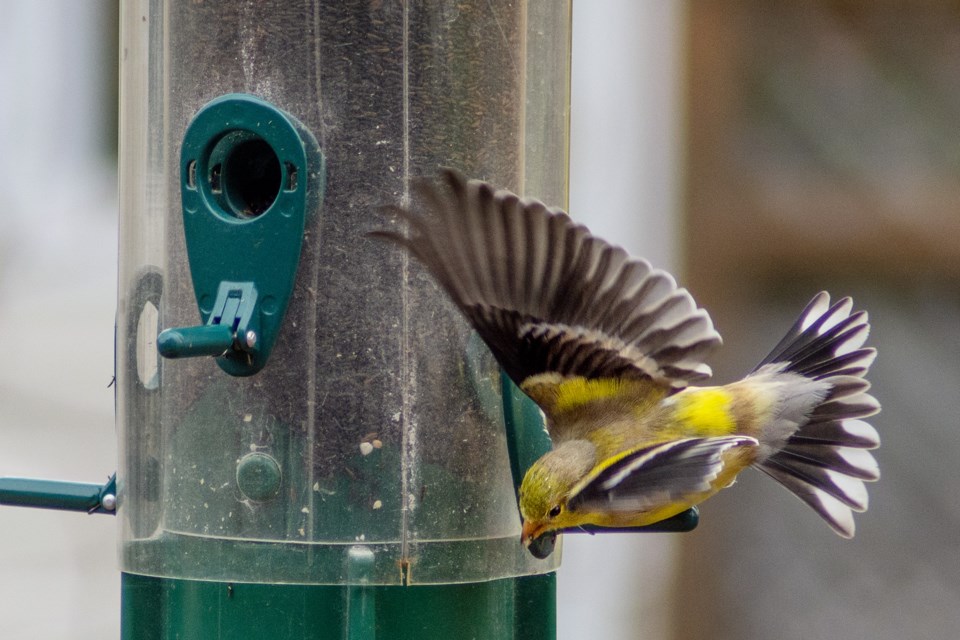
(761, 152)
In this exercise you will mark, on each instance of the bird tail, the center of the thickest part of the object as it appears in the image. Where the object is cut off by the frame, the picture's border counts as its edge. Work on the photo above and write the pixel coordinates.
(823, 456)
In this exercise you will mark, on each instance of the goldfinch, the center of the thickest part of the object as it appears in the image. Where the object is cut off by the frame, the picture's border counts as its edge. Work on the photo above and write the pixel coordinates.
(608, 347)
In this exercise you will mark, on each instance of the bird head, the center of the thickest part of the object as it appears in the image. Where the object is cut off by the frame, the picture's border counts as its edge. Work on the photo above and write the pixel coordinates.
(547, 485)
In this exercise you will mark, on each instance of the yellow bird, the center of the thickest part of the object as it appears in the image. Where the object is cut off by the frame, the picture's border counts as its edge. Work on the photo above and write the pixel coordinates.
(607, 346)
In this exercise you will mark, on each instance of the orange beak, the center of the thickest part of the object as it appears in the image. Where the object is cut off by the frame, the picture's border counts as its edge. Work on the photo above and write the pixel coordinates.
(529, 532)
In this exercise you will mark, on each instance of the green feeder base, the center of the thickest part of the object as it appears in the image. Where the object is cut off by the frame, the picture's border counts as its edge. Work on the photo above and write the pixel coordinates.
(163, 608)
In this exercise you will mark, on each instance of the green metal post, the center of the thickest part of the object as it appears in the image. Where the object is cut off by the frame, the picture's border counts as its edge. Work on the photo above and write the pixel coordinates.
(59, 494)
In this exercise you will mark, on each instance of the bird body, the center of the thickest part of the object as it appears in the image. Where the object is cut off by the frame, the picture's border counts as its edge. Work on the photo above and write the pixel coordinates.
(619, 418)
(608, 348)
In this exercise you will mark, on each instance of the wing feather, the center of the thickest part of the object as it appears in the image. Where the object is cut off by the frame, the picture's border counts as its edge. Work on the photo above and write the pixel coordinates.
(546, 295)
(654, 476)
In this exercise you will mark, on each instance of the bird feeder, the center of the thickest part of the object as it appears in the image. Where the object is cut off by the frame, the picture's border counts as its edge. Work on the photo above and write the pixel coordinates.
(315, 441)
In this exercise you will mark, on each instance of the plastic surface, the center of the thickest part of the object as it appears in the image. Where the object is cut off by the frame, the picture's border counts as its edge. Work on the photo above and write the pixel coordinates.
(383, 435)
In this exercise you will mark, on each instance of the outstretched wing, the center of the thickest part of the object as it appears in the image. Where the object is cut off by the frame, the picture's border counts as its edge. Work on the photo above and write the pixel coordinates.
(655, 476)
(547, 296)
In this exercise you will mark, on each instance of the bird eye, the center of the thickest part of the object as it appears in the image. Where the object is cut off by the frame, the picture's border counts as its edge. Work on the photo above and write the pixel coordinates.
(555, 511)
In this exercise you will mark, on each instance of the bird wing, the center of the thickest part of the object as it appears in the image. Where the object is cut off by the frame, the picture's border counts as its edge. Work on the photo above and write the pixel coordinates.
(546, 296)
(654, 476)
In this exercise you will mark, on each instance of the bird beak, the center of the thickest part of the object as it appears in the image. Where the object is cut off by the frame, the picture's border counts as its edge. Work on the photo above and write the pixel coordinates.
(529, 532)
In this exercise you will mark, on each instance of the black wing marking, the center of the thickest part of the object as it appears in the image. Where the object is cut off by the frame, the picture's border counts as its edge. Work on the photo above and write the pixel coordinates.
(656, 475)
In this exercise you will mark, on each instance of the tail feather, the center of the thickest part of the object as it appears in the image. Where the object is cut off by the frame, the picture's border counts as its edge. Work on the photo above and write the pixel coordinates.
(839, 433)
(825, 461)
(848, 490)
(862, 405)
(857, 463)
(845, 385)
(818, 324)
(836, 514)
(855, 363)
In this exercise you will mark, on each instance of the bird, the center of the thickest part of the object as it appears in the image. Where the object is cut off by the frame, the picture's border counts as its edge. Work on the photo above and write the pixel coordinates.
(613, 352)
